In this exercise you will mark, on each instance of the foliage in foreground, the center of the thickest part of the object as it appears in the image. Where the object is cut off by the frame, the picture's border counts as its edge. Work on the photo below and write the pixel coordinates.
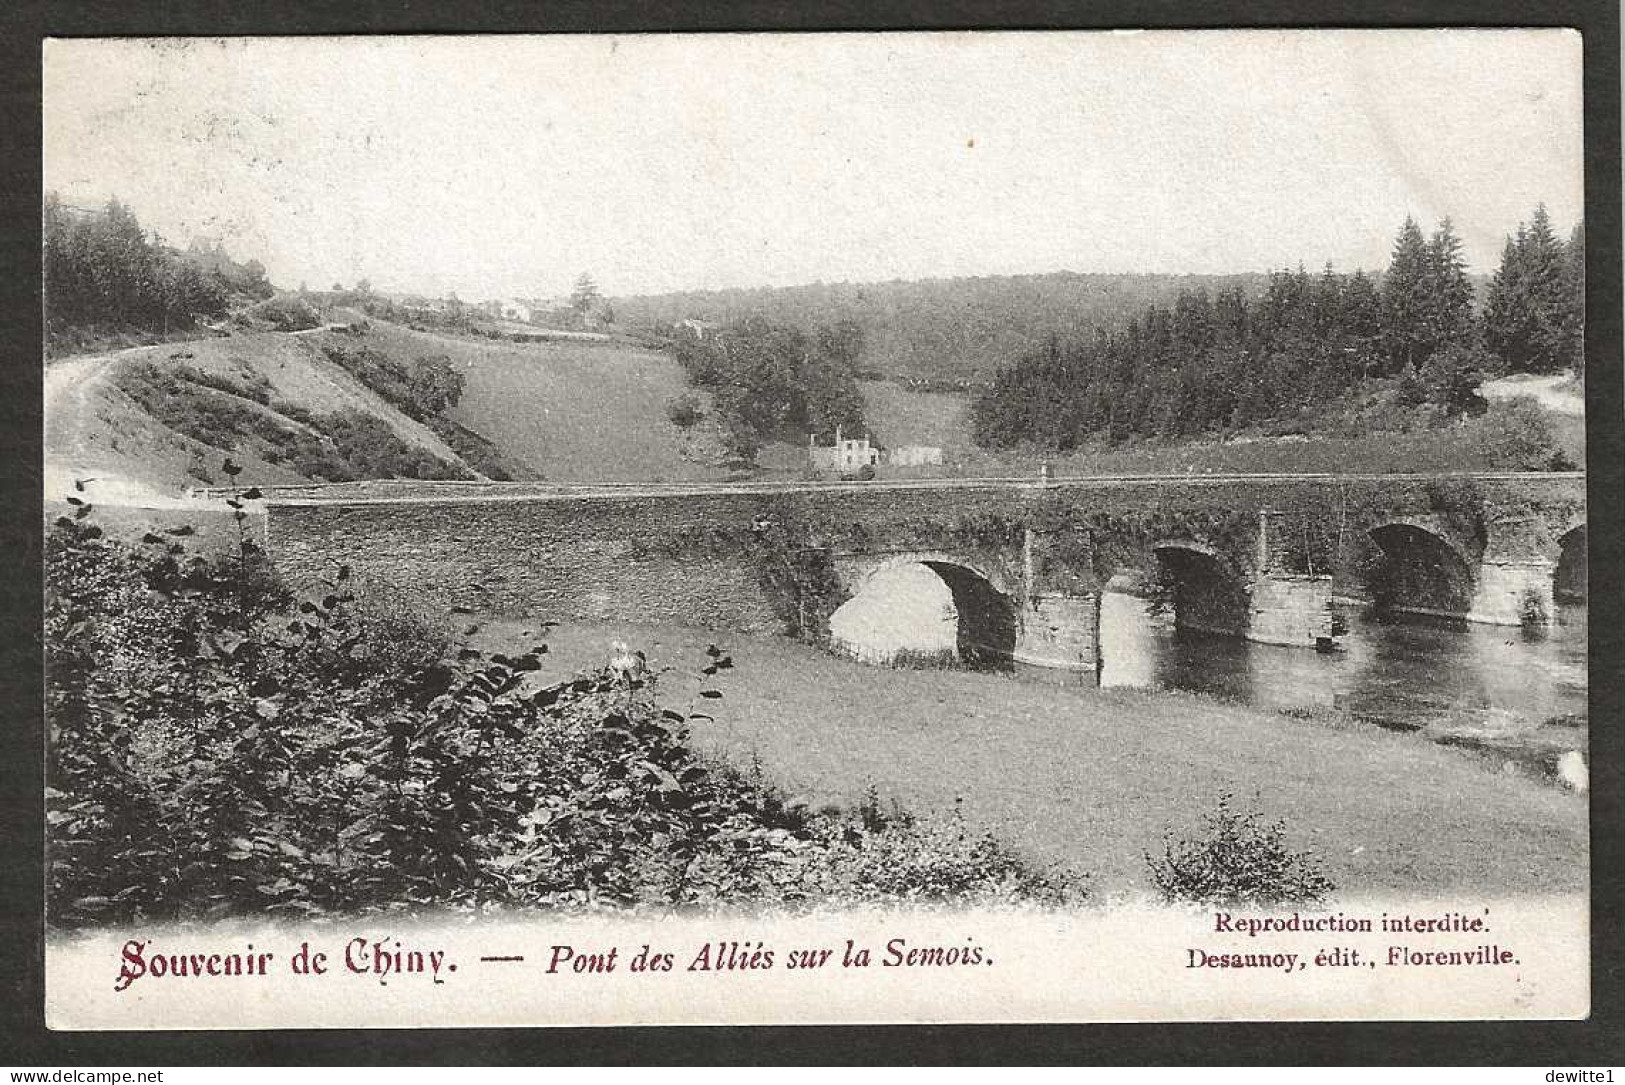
(1238, 859)
(215, 750)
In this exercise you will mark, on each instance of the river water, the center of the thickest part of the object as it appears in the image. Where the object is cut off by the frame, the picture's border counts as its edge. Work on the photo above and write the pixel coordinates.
(1409, 673)
(1495, 687)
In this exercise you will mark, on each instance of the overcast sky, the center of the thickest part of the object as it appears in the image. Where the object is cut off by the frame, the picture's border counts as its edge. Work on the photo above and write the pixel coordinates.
(509, 165)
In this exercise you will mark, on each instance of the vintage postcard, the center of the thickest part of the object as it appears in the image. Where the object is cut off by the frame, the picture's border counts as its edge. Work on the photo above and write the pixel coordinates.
(823, 528)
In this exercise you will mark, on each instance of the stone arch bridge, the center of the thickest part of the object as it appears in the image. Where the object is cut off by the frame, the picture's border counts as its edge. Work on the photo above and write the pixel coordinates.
(1255, 556)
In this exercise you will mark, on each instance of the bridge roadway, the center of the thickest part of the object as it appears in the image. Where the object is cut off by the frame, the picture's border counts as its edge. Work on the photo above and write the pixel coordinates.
(395, 491)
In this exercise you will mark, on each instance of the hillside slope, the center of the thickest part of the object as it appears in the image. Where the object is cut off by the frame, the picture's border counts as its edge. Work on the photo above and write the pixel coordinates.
(568, 412)
(95, 427)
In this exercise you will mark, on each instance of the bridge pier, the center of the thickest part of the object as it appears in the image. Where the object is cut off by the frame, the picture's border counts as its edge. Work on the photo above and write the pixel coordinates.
(1514, 593)
(1058, 621)
(1291, 610)
(1061, 632)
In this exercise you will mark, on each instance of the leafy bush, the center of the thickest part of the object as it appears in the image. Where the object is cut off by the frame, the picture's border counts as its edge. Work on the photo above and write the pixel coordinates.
(1237, 859)
(1450, 378)
(422, 389)
(285, 312)
(476, 451)
(371, 449)
(685, 410)
(248, 385)
(922, 659)
(189, 406)
(215, 750)
(1514, 435)
(297, 412)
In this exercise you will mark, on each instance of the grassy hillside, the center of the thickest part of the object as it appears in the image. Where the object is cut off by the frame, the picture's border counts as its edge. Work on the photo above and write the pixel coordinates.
(563, 412)
(158, 419)
(898, 415)
(568, 412)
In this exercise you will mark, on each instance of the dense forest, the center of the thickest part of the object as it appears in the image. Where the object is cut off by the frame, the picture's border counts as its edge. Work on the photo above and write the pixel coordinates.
(104, 274)
(941, 332)
(773, 382)
(1209, 363)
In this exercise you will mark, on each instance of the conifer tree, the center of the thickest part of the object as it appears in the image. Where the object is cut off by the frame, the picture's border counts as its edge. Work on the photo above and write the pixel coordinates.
(1534, 317)
(1405, 301)
(1574, 297)
(1450, 292)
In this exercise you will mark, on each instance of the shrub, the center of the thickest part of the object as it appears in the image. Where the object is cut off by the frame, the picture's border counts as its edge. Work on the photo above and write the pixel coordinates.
(895, 856)
(1451, 376)
(1514, 435)
(190, 406)
(250, 385)
(685, 410)
(295, 411)
(371, 449)
(285, 312)
(921, 659)
(423, 389)
(215, 750)
(479, 453)
(1237, 859)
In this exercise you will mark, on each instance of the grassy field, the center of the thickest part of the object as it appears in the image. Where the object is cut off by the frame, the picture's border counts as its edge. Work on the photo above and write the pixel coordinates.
(1093, 777)
(566, 412)
(902, 416)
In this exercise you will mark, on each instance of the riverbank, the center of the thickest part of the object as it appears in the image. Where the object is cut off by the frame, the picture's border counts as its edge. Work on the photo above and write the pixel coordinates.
(1092, 778)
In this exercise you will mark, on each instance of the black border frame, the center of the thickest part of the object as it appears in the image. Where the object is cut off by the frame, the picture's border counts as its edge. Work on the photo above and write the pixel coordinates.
(24, 1041)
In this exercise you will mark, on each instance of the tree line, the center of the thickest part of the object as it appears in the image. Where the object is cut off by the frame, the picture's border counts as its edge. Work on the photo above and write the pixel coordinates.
(104, 273)
(1212, 363)
(948, 333)
(775, 382)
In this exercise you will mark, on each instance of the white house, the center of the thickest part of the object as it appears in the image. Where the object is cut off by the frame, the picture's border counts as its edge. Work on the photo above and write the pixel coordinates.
(846, 454)
(516, 309)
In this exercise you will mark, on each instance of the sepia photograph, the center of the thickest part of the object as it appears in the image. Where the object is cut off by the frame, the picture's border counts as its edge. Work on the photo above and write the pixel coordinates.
(1023, 526)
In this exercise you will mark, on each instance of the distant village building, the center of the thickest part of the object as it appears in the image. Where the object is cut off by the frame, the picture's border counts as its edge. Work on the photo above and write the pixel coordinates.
(915, 456)
(417, 303)
(846, 454)
(516, 309)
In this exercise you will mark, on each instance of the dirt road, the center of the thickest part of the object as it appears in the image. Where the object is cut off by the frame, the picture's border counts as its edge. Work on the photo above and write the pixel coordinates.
(1556, 392)
(71, 386)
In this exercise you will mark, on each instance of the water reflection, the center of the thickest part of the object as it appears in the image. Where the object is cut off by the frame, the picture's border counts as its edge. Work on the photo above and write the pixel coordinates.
(905, 609)
(1403, 674)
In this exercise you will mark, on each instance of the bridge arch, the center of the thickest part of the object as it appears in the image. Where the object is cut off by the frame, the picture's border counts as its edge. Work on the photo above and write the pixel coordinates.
(1417, 569)
(1202, 586)
(1569, 577)
(927, 606)
(860, 570)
